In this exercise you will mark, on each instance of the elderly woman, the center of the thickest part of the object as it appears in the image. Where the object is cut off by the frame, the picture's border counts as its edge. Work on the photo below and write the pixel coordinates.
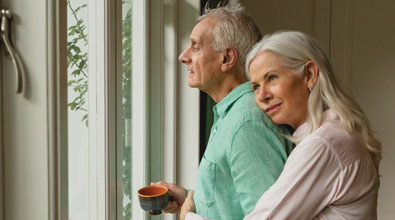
(333, 171)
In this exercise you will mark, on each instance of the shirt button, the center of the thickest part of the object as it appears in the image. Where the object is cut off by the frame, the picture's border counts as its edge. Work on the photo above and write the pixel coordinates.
(215, 130)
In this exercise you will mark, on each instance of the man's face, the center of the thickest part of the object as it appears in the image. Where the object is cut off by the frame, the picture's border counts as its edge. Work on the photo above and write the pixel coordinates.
(202, 60)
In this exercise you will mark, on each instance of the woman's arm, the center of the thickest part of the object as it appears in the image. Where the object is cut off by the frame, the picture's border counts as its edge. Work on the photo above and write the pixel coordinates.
(306, 186)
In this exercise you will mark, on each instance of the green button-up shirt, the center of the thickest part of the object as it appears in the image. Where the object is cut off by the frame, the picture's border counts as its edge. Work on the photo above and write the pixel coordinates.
(244, 156)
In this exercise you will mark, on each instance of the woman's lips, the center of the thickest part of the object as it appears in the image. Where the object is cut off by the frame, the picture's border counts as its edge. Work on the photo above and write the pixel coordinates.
(272, 108)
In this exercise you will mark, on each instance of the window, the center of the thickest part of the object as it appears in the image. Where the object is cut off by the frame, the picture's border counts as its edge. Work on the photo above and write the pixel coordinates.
(122, 83)
(106, 41)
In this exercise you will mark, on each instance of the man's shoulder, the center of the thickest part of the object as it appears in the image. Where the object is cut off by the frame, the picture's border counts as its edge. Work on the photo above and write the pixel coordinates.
(246, 113)
(246, 109)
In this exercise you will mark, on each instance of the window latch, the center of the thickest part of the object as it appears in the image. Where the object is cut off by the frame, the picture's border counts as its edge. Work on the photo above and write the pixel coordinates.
(6, 17)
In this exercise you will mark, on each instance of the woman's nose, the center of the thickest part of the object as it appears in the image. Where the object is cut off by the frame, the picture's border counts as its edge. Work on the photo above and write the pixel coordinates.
(184, 56)
(264, 95)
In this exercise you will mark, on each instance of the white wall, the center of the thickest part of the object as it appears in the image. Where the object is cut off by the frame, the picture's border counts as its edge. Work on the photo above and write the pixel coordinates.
(366, 30)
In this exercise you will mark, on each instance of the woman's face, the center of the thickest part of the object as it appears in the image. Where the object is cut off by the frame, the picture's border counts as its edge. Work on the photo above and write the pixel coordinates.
(279, 92)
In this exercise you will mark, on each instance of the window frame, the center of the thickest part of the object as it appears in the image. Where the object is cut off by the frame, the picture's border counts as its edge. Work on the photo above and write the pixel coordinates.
(154, 100)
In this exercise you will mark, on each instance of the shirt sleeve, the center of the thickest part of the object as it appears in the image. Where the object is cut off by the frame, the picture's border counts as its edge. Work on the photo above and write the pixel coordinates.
(306, 186)
(256, 160)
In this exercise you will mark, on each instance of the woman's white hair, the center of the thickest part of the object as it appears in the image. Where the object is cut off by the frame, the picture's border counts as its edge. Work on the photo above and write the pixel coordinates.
(295, 49)
(235, 30)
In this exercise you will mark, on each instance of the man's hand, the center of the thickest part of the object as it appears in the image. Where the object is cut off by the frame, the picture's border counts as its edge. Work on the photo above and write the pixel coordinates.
(188, 206)
(179, 195)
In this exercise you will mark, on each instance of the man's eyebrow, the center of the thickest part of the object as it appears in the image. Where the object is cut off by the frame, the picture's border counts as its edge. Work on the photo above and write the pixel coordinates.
(193, 40)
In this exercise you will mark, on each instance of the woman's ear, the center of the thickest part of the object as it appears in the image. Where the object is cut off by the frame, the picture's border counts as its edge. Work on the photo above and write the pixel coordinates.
(311, 71)
(230, 57)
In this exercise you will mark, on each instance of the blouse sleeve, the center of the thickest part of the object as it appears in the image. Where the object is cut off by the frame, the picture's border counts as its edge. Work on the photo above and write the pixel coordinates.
(306, 186)
(194, 216)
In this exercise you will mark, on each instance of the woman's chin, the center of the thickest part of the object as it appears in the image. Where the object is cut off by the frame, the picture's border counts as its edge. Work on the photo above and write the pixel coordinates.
(278, 120)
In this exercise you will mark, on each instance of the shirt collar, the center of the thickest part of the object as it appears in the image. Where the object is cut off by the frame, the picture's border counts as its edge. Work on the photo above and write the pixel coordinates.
(222, 107)
(328, 115)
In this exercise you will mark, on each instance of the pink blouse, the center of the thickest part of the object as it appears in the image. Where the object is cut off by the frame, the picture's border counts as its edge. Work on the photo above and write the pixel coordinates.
(329, 175)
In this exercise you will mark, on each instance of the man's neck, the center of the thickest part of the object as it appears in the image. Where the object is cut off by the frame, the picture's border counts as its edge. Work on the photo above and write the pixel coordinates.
(225, 87)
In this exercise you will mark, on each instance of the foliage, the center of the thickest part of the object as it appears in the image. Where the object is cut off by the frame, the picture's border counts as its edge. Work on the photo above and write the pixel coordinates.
(126, 108)
(78, 66)
(77, 61)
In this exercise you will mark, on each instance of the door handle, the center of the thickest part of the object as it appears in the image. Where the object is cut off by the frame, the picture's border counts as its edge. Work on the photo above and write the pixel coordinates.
(6, 16)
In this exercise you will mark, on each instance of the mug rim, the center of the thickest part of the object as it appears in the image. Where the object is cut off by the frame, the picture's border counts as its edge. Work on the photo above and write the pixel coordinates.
(150, 196)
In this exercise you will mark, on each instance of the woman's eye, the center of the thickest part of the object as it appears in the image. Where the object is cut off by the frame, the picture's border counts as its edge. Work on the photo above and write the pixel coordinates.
(255, 87)
(272, 77)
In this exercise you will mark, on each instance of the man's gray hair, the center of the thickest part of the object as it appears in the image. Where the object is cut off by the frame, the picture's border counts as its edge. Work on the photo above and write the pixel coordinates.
(235, 29)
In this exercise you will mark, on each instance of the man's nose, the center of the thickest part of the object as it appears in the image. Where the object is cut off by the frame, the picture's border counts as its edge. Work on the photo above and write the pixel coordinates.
(184, 56)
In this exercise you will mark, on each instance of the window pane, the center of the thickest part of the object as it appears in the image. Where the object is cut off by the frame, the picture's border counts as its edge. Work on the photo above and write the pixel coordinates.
(77, 47)
(126, 106)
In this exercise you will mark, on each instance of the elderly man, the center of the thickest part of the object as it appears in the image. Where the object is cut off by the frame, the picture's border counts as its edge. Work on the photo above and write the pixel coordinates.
(246, 151)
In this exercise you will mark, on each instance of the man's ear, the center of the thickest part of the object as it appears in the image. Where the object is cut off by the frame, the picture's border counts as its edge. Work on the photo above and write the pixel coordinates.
(230, 57)
(311, 71)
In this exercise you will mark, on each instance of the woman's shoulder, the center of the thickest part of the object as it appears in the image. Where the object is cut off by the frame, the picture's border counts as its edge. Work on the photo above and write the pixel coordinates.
(347, 146)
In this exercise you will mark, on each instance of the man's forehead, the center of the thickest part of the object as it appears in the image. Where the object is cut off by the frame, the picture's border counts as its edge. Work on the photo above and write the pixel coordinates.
(203, 30)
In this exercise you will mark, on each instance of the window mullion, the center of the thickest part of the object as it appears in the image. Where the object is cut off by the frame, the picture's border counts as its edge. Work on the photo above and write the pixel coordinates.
(140, 103)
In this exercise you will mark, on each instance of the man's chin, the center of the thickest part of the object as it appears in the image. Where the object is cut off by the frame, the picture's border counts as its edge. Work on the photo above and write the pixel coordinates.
(192, 85)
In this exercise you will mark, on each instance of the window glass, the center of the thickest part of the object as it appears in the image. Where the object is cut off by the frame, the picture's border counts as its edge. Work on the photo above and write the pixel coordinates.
(126, 107)
(77, 60)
